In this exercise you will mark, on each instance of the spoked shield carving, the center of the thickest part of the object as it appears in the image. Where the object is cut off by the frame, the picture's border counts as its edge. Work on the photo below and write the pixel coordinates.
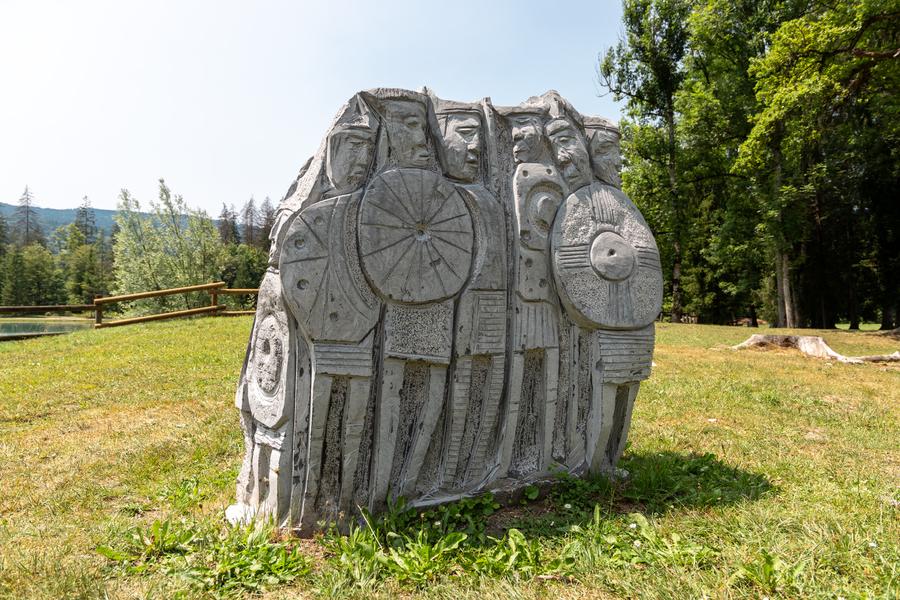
(415, 237)
(605, 261)
(320, 273)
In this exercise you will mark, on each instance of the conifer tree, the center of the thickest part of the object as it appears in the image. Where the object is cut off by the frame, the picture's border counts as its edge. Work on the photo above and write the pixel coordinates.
(228, 227)
(86, 221)
(44, 282)
(27, 224)
(4, 237)
(267, 221)
(249, 222)
(13, 290)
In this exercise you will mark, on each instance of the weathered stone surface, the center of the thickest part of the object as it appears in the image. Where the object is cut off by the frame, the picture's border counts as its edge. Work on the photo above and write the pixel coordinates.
(415, 237)
(460, 298)
(605, 260)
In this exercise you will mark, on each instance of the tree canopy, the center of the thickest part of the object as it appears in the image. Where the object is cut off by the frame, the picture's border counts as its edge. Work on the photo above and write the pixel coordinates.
(783, 133)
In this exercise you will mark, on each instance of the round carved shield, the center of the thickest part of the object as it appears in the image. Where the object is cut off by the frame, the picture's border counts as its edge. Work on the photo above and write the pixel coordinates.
(605, 260)
(268, 354)
(415, 237)
(268, 366)
(323, 285)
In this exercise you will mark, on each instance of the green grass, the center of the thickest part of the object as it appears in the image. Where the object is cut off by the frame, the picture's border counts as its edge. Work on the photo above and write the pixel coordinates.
(862, 326)
(753, 473)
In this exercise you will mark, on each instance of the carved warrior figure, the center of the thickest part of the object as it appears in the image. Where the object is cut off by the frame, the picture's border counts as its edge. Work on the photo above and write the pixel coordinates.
(459, 299)
(479, 347)
(537, 190)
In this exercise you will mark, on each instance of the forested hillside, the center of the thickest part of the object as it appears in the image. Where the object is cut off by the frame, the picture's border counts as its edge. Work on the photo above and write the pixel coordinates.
(52, 218)
(165, 245)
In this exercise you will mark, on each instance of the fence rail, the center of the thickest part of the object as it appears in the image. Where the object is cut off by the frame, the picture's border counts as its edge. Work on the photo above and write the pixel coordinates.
(159, 293)
(161, 316)
(213, 289)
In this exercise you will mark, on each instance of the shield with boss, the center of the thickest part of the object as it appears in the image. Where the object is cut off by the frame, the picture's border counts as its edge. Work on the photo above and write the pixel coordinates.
(605, 260)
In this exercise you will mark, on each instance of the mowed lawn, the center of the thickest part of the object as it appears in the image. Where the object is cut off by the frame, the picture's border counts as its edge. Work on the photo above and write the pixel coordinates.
(753, 473)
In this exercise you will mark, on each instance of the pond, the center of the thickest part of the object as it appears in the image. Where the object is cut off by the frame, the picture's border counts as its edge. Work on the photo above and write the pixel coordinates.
(18, 327)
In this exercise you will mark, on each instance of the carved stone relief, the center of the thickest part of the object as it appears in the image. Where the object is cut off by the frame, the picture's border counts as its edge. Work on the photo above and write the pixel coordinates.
(603, 146)
(460, 298)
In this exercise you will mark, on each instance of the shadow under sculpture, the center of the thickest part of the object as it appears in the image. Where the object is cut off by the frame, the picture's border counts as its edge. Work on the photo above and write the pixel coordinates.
(459, 299)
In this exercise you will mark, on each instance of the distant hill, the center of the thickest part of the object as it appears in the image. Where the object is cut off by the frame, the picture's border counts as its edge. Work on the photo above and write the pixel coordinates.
(51, 218)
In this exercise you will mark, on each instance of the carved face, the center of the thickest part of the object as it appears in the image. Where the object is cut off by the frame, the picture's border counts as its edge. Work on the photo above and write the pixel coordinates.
(527, 132)
(570, 153)
(349, 156)
(406, 132)
(462, 139)
(605, 157)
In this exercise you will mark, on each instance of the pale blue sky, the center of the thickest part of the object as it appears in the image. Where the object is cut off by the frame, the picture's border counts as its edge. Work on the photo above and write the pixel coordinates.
(227, 99)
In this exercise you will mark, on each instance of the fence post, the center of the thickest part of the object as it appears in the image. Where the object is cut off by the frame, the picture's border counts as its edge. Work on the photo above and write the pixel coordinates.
(98, 313)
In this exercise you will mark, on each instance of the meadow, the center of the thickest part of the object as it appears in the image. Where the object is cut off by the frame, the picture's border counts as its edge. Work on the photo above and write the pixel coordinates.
(752, 474)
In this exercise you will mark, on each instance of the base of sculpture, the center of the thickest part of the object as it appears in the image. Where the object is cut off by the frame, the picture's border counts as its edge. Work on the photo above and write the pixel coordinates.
(459, 300)
(240, 514)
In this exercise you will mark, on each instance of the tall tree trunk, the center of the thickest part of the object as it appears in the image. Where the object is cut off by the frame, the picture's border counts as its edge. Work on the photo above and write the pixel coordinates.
(780, 319)
(787, 313)
(887, 316)
(823, 248)
(754, 322)
(677, 221)
(677, 311)
(852, 303)
(790, 306)
(887, 261)
(852, 297)
(852, 300)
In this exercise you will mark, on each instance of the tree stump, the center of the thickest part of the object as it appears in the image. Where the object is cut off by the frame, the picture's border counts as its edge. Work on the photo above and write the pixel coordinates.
(811, 345)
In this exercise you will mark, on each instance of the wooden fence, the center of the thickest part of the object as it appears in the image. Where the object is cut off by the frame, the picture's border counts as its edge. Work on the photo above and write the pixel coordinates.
(214, 308)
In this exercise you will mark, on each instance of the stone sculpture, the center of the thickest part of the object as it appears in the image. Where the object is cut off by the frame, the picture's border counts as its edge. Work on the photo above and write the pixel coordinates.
(460, 298)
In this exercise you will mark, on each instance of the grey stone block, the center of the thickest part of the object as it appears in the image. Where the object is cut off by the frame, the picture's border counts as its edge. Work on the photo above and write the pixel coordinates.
(460, 299)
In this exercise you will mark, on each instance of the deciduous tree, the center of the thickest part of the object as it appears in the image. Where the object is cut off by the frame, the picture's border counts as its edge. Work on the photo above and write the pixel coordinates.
(174, 246)
(646, 68)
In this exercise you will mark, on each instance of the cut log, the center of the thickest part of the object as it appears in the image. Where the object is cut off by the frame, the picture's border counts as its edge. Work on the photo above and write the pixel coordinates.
(892, 333)
(811, 345)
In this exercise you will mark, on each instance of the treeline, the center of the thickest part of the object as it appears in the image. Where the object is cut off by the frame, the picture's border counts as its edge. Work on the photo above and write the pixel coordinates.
(171, 245)
(761, 143)
(70, 266)
(250, 226)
